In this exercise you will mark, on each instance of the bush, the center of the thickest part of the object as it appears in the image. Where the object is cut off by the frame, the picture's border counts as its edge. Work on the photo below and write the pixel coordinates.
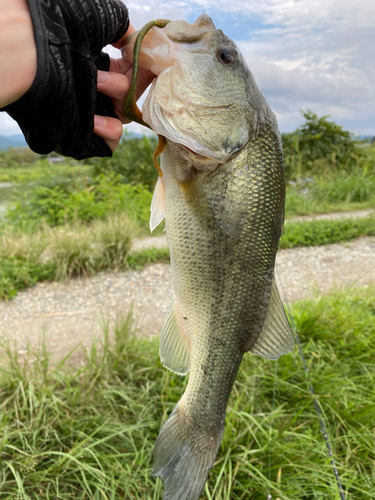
(350, 188)
(82, 250)
(319, 146)
(324, 194)
(132, 161)
(83, 199)
(17, 274)
(324, 232)
(18, 157)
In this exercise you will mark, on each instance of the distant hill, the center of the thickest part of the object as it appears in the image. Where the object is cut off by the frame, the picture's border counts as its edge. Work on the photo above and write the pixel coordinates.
(18, 140)
(368, 138)
(12, 141)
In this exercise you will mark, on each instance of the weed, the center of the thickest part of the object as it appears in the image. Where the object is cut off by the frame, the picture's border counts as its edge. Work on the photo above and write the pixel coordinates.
(323, 232)
(63, 252)
(89, 432)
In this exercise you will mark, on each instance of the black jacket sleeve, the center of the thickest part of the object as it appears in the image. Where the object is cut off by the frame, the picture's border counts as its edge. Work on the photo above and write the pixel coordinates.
(57, 113)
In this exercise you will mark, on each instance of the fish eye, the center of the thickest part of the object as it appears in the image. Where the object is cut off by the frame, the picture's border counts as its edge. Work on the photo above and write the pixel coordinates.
(227, 55)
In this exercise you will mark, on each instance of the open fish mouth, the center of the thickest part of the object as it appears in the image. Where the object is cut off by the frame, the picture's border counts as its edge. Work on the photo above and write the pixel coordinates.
(162, 46)
(195, 116)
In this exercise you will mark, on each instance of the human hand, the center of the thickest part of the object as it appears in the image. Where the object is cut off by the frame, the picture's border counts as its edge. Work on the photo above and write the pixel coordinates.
(57, 112)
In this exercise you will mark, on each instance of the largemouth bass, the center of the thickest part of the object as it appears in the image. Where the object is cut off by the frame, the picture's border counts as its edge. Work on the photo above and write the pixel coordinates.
(222, 194)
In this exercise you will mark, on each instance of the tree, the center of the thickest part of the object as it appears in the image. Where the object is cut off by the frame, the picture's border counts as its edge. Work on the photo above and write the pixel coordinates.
(132, 161)
(318, 143)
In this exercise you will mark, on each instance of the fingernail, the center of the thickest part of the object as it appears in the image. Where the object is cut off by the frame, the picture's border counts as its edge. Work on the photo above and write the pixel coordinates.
(103, 76)
(99, 121)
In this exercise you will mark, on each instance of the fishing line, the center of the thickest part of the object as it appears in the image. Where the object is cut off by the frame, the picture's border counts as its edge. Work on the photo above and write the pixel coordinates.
(316, 404)
(269, 496)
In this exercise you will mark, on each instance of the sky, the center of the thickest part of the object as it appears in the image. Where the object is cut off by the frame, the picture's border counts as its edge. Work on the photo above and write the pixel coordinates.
(304, 55)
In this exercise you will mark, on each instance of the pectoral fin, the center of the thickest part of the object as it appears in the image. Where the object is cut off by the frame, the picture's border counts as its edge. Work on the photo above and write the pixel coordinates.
(276, 337)
(174, 346)
(157, 204)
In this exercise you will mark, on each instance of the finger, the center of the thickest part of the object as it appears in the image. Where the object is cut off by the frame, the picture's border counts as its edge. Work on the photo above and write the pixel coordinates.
(110, 129)
(121, 65)
(115, 86)
(119, 43)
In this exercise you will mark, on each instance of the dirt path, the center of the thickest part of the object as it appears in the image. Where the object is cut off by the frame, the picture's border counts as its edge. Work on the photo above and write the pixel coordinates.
(74, 311)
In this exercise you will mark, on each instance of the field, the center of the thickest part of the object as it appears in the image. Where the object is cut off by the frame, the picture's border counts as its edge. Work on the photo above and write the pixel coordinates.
(75, 431)
(76, 220)
(89, 432)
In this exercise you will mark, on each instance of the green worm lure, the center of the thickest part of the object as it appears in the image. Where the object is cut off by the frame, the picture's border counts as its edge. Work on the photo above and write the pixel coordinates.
(131, 109)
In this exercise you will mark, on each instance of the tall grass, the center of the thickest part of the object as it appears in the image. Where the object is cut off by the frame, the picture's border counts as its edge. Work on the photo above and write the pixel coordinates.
(331, 194)
(63, 252)
(88, 433)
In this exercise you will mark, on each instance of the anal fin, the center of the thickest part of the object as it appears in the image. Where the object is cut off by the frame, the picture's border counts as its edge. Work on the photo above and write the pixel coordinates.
(174, 346)
(276, 337)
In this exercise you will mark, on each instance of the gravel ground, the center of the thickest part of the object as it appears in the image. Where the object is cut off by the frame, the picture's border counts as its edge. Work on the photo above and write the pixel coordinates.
(74, 312)
(355, 214)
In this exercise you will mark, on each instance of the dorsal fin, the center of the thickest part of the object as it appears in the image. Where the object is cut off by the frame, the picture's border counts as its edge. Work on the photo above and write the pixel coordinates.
(276, 337)
(157, 204)
(174, 345)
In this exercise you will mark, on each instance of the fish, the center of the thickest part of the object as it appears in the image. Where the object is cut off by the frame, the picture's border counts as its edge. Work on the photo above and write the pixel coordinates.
(222, 194)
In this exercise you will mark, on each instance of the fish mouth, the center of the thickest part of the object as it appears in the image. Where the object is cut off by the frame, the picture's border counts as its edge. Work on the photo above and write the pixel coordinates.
(191, 114)
(162, 46)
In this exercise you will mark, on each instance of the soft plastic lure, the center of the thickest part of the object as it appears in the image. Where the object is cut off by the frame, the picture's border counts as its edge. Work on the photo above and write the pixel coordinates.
(131, 109)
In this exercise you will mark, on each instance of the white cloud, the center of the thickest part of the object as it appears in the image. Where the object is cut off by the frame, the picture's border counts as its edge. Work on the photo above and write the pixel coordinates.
(318, 56)
(8, 126)
(141, 13)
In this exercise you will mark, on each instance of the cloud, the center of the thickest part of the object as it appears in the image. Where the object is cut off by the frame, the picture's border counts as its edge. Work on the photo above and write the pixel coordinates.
(141, 13)
(7, 125)
(317, 56)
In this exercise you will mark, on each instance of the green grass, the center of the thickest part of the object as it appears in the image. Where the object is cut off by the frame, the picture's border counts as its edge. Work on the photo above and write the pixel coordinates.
(17, 274)
(70, 251)
(63, 252)
(323, 232)
(138, 260)
(52, 231)
(88, 433)
(78, 199)
(40, 171)
(343, 192)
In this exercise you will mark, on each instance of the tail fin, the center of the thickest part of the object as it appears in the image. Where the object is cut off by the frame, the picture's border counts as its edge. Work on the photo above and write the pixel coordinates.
(183, 455)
